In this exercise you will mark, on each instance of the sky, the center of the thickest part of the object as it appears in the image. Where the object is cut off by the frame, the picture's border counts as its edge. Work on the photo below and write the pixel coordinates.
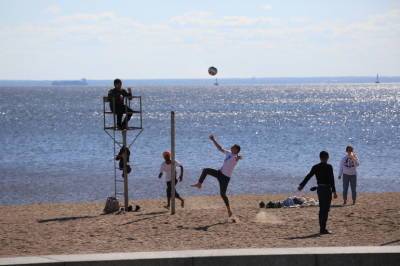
(151, 39)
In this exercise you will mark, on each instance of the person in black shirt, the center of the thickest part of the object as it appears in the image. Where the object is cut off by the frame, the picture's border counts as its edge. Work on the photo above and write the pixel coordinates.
(120, 158)
(326, 186)
(116, 97)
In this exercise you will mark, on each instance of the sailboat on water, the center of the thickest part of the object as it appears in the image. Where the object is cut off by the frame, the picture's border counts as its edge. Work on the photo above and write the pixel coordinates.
(377, 79)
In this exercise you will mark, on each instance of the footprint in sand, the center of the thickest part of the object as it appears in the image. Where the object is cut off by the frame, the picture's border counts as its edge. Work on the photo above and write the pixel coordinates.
(233, 219)
(267, 218)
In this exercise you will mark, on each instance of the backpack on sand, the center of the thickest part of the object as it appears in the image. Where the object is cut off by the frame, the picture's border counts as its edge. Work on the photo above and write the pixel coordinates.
(112, 205)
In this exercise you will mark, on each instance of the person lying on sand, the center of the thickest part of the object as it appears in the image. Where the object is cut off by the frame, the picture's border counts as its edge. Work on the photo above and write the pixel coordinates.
(326, 186)
(166, 170)
(224, 174)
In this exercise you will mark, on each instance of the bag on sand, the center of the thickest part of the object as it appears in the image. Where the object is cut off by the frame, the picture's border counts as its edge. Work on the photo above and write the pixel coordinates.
(112, 205)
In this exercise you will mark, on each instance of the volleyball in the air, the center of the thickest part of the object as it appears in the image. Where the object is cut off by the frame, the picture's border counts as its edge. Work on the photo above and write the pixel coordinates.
(212, 71)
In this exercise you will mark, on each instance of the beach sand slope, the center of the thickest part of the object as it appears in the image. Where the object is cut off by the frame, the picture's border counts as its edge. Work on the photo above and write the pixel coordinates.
(41, 229)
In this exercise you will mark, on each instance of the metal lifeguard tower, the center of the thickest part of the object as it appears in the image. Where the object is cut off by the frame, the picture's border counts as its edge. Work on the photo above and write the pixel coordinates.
(123, 138)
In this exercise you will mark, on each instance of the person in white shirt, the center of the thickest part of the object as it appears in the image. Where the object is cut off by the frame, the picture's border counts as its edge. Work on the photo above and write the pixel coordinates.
(166, 170)
(224, 174)
(348, 168)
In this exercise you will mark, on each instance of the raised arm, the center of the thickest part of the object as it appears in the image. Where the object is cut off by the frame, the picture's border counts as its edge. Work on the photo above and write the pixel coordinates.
(356, 160)
(307, 178)
(127, 93)
(181, 173)
(130, 93)
(219, 147)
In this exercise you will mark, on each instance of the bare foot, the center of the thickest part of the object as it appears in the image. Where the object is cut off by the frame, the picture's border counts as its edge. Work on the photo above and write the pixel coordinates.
(229, 213)
(166, 206)
(198, 185)
(183, 204)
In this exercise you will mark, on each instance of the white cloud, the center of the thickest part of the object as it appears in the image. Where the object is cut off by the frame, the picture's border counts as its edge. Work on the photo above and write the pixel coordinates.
(201, 26)
(192, 18)
(207, 19)
(86, 17)
(382, 25)
(53, 10)
(198, 36)
(266, 7)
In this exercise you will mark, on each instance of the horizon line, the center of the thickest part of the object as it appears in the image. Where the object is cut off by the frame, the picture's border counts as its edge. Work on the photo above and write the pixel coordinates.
(212, 77)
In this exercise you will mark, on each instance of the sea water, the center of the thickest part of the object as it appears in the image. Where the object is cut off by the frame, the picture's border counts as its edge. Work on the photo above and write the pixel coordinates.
(54, 148)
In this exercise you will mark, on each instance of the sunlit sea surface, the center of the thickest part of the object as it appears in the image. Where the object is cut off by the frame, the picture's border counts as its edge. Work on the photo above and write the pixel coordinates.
(54, 148)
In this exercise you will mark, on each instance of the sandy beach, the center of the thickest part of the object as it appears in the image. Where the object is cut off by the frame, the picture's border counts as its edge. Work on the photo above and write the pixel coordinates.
(41, 229)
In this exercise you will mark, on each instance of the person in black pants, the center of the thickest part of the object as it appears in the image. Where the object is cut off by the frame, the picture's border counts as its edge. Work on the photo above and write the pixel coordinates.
(224, 174)
(120, 158)
(326, 186)
(116, 97)
(166, 170)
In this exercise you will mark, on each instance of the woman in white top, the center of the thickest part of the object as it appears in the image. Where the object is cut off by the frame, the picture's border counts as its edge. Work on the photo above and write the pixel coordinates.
(348, 168)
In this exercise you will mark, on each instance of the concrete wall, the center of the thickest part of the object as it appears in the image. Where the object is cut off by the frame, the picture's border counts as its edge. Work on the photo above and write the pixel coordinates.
(346, 256)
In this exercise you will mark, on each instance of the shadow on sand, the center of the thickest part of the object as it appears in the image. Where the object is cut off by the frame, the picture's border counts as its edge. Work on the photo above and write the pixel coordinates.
(303, 237)
(338, 206)
(391, 242)
(200, 228)
(206, 227)
(65, 219)
(154, 215)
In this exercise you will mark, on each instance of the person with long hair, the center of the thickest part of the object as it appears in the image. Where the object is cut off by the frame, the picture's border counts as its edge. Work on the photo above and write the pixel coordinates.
(348, 169)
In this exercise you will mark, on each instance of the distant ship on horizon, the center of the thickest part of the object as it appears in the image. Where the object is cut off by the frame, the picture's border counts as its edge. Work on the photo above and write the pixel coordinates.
(377, 79)
(82, 82)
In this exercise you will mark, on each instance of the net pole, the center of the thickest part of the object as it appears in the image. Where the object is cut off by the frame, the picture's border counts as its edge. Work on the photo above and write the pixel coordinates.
(125, 170)
(173, 168)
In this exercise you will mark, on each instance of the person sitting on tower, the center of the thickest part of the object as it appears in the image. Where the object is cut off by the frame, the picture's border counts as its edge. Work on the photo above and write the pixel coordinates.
(117, 106)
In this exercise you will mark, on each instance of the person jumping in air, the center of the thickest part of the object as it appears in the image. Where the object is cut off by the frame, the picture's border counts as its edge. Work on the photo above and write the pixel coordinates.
(224, 174)
(116, 97)
(326, 186)
(348, 168)
(166, 170)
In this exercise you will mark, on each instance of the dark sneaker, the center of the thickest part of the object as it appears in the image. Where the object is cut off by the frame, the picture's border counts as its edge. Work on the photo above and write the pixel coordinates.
(325, 232)
(124, 125)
